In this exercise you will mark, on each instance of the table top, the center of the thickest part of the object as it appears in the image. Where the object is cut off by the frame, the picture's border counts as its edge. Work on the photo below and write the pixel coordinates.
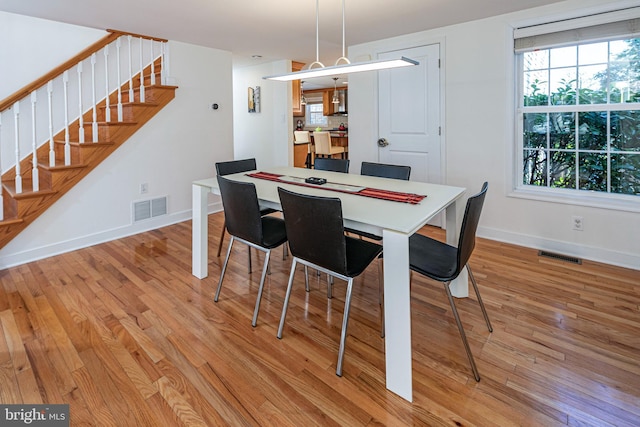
(361, 213)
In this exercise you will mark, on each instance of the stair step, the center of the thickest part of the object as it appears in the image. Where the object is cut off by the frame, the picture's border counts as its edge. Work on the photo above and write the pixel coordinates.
(11, 221)
(27, 190)
(59, 166)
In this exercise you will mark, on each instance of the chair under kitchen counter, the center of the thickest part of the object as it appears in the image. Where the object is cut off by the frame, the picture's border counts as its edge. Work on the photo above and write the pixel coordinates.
(302, 137)
(322, 141)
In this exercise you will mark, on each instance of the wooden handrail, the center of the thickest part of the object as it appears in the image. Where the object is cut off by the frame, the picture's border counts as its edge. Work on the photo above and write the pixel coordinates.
(113, 35)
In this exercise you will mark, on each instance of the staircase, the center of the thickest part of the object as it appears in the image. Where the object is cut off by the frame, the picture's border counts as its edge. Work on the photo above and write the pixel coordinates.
(82, 144)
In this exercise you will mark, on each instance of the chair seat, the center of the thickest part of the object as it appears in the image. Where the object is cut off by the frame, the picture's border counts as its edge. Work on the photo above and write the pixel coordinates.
(273, 232)
(432, 258)
(360, 254)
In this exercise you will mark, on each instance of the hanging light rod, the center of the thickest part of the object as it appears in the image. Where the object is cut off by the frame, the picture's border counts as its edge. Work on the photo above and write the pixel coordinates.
(346, 68)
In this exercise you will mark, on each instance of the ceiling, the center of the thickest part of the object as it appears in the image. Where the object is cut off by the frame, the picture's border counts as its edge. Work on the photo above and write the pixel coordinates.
(272, 29)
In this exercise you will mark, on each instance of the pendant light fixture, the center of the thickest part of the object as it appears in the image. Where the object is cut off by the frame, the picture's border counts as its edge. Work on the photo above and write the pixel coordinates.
(338, 69)
(335, 99)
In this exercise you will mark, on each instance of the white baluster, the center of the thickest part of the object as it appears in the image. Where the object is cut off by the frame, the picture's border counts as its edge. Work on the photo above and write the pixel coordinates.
(107, 110)
(52, 152)
(141, 70)
(118, 79)
(16, 114)
(67, 146)
(131, 98)
(94, 124)
(163, 64)
(35, 178)
(81, 119)
(153, 66)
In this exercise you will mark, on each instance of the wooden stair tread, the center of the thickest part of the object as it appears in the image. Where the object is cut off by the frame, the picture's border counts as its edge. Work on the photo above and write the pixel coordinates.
(11, 221)
(27, 190)
(86, 144)
(59, 166)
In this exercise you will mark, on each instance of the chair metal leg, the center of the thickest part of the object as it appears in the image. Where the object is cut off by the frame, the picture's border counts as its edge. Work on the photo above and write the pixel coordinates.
(345, 324)
(475, 287)
(462, 334)
(286, 297)
(224, 268)
(265, 267)
(306, 278)
(224, 229)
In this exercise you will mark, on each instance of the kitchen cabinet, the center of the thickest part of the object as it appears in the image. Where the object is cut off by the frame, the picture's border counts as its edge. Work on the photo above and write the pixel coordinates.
(331, 109)
(296, 91)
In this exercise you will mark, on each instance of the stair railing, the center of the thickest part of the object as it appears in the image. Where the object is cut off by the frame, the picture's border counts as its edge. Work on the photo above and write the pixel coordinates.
(48, 110)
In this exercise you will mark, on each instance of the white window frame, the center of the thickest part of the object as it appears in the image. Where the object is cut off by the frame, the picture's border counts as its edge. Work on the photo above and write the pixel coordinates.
(308, 116)
(604, 200)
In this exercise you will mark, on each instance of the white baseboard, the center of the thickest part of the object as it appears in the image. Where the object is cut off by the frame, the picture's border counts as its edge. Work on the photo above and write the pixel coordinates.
(592, 253)
(606, 256)
(34, 254)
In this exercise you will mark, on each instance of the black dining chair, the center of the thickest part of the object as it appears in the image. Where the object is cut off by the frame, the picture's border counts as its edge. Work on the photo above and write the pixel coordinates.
(228, 168)
(385, 170)
(381, 170)
(246, 224)
(333, 165)
(442, 262)
(329, 251)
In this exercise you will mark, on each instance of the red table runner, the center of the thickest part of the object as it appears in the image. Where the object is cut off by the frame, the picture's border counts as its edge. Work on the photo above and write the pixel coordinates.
(375, 193)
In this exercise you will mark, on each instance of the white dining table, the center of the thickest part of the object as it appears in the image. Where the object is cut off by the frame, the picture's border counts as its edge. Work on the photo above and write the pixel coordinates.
(394, 221)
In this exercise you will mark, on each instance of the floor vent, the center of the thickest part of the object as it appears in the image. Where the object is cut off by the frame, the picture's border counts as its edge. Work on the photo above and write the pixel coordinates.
(560, 257)
(146, 209)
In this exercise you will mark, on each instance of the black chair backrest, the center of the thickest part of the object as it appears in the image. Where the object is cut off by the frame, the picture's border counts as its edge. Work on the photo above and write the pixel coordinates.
(329, 164)
(241, 210)
(385, 171)
(315, 229)
(467, 240)
(235, 166)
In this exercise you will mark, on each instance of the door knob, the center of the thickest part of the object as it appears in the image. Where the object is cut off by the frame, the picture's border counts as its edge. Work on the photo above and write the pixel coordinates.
(382, 142)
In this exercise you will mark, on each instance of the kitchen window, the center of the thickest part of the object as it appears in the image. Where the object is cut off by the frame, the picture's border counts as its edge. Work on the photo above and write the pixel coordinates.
(579, 110)
(314, 115)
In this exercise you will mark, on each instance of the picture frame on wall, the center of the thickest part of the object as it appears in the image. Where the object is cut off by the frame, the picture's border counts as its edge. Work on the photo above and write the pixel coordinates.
(253, 99)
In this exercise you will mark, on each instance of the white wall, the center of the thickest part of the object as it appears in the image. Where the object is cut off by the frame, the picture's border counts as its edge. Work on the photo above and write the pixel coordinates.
(478, 124)
(266, 135)
(179, 145)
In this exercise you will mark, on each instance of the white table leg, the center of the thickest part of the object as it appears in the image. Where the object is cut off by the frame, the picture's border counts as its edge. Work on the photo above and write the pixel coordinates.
(199, 232)
(397, 313)
(460, 286)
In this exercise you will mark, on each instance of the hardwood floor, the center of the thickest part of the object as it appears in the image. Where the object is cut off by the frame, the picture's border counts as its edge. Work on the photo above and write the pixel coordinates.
(128, 337)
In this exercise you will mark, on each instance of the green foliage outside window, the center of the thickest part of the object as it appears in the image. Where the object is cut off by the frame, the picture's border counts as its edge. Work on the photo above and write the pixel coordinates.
(580, 129)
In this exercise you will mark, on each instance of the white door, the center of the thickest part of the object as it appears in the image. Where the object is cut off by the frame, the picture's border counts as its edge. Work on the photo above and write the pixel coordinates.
(409, 113)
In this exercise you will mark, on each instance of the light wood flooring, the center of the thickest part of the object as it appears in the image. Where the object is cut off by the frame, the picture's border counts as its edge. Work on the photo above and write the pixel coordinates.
(128, 337)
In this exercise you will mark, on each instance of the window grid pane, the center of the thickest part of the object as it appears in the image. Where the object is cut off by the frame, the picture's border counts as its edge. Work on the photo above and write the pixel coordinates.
(589, 149)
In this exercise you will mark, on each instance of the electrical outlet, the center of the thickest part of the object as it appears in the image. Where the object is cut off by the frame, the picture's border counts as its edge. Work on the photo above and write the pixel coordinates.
(144, 188)
(578, 223)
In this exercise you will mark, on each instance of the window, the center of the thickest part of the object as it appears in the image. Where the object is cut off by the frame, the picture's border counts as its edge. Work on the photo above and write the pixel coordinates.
(579, 111)
(314, 115)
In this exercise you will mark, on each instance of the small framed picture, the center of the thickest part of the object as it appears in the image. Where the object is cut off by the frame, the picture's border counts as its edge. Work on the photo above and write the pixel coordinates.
(253, 99)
